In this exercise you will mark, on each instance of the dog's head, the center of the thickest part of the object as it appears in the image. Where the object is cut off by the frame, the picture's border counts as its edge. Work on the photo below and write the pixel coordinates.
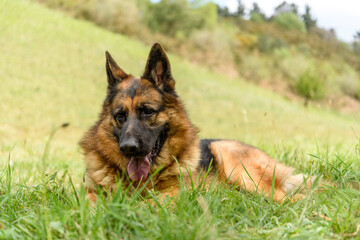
(139, 110)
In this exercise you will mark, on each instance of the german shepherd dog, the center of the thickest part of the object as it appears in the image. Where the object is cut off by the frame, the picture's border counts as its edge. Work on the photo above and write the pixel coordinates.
(144, 132)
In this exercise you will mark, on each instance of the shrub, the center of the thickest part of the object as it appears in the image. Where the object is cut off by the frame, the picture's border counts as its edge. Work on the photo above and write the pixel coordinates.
(310, 85)
(350, 85)
(207, 14)
(349, 82)
(356, 47)
(213, 47)
(291, 65)
(290, 21)
(256, 17)
(282, 53)
(116, 15)
(247, 41)
(179, 18)
(304, 49)
(268, 43)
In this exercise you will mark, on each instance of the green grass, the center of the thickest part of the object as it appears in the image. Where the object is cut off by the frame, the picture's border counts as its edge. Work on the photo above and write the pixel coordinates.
(52, 72)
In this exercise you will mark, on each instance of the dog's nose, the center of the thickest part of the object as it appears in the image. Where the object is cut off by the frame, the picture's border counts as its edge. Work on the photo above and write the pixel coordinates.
(129, 147)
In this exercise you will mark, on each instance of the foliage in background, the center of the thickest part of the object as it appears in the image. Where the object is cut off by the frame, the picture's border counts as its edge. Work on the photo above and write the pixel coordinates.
(309, 21)
(289, 21)
(256, 14)
(285, 7)
(226, 41)
(310, 85)
(115, 15)
(178, 18)
(268, 43)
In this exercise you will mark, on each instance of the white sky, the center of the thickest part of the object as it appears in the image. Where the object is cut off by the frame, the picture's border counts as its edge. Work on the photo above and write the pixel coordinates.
(343, 16)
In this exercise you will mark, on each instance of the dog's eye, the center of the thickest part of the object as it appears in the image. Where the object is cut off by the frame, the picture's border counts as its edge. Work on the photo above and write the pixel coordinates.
(147, 112)
(121, 116)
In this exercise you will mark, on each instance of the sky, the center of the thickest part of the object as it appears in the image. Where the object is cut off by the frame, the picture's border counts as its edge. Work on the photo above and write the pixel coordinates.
(343, 16)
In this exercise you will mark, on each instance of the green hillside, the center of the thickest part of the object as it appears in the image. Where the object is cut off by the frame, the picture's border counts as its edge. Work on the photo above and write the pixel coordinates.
(52, 72)
(285, 51)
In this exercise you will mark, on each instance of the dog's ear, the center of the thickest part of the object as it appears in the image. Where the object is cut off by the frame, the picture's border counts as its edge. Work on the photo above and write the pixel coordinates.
(158, 69)
(114, 73)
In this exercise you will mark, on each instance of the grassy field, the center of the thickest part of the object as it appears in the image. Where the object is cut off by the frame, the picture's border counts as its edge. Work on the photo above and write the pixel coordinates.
(52, 72)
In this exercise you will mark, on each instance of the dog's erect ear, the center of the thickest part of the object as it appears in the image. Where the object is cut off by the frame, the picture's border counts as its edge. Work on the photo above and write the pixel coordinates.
(114, 73)
(158, 69)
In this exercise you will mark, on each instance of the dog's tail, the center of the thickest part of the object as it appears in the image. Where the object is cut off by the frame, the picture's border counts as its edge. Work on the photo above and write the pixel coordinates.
(255, 171)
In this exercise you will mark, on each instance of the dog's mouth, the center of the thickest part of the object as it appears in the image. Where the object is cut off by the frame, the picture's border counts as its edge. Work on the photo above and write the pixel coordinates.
(139, 167)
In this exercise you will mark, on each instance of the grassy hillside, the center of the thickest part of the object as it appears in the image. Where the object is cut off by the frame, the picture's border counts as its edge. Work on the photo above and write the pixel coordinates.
(286, 51)
(52, 72)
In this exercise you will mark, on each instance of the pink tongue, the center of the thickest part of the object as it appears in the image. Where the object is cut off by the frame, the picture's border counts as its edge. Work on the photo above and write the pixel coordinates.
(138, 168)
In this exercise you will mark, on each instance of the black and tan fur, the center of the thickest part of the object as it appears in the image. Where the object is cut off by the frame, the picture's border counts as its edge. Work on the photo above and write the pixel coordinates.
(143, 121)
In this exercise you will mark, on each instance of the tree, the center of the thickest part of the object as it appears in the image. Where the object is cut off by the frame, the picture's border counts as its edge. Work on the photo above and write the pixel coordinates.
(290, 21)
(309, 21)
(256, 14)
(223, 11)
(285, 7)
(176, 18)
(357, 36)
(206, 14)
(294, 8)
(356, 43)
(255, 9)
(240, 10)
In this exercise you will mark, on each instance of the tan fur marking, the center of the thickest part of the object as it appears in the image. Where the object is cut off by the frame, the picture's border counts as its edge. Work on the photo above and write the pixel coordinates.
(130, 80)
(252, 169)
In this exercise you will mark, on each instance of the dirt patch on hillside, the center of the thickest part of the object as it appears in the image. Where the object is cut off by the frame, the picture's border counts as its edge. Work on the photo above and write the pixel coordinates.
(344, 104)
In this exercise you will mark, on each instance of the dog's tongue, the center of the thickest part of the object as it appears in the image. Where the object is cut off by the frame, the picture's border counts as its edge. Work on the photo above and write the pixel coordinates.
(138, 168)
